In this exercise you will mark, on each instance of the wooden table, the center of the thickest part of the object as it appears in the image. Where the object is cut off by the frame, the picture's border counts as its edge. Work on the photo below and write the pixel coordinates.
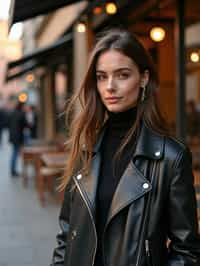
(32, 154)
(52, 166)
(55, 160)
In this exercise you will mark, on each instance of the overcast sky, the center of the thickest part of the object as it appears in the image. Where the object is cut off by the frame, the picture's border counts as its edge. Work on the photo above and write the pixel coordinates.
(4, 8)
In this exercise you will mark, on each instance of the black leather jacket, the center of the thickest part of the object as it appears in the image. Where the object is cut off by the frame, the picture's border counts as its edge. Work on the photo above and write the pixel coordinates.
(172, 211)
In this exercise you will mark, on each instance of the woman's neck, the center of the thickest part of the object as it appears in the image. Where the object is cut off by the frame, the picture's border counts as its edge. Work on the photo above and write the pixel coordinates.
(122, 121)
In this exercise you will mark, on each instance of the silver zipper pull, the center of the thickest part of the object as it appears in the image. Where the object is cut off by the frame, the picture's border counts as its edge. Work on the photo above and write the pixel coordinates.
(147, 247)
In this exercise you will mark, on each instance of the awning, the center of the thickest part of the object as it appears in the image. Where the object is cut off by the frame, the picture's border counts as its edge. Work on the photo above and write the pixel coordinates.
(51, 55)
(22, 70)
(21, 10)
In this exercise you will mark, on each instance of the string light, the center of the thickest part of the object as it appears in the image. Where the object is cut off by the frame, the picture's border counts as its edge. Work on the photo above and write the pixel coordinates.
(22, 97)
(157, 34)
(111, 8)
(30, 78)
(194, 57)
(81, 27)
(97, 10)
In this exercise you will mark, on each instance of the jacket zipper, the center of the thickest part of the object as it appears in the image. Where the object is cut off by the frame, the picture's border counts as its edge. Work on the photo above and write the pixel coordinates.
(148, 253)
(103, 253)
(147, 250)
(93, 223)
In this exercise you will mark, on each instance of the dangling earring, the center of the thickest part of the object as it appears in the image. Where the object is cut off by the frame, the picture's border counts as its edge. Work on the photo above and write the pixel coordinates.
(143, 93)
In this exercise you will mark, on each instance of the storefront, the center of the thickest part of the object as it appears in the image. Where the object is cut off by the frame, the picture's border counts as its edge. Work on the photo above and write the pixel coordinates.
(179, 21)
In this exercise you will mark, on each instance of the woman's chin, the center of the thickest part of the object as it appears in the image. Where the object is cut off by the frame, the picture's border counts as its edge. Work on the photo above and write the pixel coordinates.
(117, 109)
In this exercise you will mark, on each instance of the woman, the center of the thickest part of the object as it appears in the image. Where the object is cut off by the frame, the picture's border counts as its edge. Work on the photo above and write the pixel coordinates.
(130, 200)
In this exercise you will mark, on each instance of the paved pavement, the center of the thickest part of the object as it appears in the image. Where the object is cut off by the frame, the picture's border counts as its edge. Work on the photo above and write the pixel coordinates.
(27, 230)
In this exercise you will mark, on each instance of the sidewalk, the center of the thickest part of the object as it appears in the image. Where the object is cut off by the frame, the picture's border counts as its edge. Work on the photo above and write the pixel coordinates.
(27, 230)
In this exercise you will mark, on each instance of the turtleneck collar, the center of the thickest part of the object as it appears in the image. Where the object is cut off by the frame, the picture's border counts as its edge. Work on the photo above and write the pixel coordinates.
(122, 121)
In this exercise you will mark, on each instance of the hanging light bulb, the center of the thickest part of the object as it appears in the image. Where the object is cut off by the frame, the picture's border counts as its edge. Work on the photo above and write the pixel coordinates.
(111, 8)
(81, 27)
(30, 78)
(23, 97)
(157, 34)
(194, 57)
(97, 10)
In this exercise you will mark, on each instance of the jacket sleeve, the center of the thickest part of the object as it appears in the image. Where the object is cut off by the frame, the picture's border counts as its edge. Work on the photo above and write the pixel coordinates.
(60, 250)
(184, 247)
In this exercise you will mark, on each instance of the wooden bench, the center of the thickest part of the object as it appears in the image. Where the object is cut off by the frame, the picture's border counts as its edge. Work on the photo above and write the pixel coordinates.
(51, 168)
(31, 154)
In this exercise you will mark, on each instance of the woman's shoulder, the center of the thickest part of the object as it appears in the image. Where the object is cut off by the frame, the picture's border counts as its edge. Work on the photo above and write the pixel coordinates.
(171, 147)
(176, 150)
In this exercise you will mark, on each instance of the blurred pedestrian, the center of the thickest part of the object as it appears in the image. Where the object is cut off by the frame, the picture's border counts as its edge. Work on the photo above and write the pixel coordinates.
(2, 117)
(32, 118)
(17, 124)
(30, 132)
(2, 122)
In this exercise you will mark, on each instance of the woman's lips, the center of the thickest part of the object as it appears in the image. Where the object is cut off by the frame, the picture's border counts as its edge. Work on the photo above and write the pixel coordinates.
(112, 99)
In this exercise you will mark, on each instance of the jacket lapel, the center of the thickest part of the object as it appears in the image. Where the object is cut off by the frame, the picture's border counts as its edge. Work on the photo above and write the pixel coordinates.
(88, 183)
(132, 186)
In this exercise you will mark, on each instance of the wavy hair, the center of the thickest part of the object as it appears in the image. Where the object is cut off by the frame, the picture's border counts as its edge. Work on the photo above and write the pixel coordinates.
(87, 122)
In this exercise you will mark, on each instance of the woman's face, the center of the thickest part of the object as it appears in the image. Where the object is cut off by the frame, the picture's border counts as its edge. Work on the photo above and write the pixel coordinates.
(118, 81)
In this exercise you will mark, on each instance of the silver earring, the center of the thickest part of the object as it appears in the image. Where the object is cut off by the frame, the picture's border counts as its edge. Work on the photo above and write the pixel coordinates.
(143, 93)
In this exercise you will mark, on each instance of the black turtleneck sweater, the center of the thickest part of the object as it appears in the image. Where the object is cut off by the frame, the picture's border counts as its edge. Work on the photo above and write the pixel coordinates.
(112, 169)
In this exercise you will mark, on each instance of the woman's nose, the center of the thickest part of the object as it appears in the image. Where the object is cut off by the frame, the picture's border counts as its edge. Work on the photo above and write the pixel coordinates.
(110, 84)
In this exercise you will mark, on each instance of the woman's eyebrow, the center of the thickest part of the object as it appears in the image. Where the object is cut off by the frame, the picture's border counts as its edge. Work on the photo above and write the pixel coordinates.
(116, 70)
(100, 71)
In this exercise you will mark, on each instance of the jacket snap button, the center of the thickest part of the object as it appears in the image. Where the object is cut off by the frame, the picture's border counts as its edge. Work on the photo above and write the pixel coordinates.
(145, 185)
(157, 153)
(79, 176)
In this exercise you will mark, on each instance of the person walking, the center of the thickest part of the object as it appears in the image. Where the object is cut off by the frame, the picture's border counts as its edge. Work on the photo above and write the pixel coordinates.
(17, 124)
(30, 132)
(2, 122)
(129, 197)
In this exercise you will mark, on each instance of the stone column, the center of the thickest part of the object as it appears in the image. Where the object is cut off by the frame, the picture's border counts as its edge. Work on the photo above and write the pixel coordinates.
(82, 45)
(49, 99)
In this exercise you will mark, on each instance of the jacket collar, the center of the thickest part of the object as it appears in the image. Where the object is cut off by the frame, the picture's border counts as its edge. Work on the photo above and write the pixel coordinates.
(149, 143)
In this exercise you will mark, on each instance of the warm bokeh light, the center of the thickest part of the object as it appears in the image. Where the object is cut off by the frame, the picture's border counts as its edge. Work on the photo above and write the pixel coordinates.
(22, 97)
(11, 49)
(3, 30)
(4, 9)
(97, 10)
(81, 27)
(30, 78)
(16, 32)
(157, 34)
(111, 8)
(194, 57)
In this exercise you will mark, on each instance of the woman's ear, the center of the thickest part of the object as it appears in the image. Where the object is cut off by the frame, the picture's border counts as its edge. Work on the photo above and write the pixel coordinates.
(145, 78)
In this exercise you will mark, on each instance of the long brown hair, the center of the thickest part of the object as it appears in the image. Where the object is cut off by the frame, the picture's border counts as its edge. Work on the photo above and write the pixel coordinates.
(91, 115)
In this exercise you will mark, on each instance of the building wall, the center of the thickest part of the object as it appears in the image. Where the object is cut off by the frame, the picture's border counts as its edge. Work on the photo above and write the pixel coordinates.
(9, 51)
(192, 35)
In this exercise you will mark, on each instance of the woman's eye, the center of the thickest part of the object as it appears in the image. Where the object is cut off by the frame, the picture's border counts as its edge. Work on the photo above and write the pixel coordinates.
(101, 77)
(123, 75)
